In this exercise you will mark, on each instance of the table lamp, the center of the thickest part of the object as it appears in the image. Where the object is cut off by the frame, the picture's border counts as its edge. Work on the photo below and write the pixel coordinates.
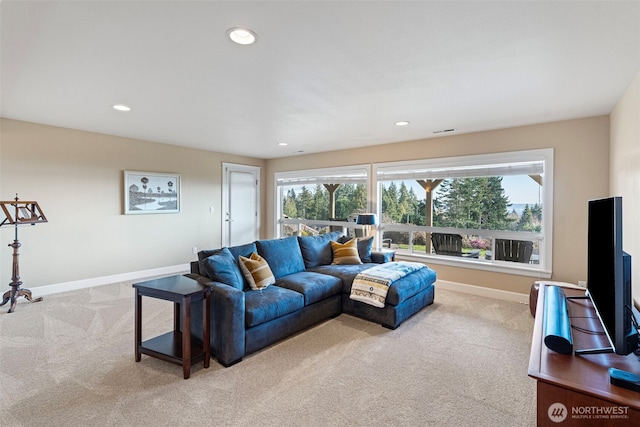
(366, 220)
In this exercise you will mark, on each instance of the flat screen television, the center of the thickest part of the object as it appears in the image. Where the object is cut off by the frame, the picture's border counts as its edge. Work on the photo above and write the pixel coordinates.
(609, 275)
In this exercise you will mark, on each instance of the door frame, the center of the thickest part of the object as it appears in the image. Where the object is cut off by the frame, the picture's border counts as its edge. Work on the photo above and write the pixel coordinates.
(227, 168)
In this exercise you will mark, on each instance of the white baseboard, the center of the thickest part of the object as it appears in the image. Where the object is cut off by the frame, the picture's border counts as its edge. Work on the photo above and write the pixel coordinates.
(482, 291)
(107, 280)
(184, 268)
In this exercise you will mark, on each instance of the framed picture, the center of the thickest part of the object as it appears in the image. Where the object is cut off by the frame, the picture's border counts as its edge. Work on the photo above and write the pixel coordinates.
(151, 193)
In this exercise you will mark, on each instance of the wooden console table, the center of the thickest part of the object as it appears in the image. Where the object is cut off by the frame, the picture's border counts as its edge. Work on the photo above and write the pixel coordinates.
(176, 346)
(575, 390)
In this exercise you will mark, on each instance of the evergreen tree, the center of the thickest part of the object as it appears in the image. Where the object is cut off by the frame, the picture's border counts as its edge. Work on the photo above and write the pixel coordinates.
(303, 202)
(344, 196)
(536, 211)
(359, 200)
(472, 203)
(289, 205)
(320, 204)
(420, 209)
(478, 203)
(350, 200)
(401, 205)
(405, 207)
(495, 214)
(390, 201)
(531, 219)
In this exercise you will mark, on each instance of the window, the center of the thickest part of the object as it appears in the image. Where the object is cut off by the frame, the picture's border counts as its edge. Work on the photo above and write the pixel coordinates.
(321, 200)
(487, 211)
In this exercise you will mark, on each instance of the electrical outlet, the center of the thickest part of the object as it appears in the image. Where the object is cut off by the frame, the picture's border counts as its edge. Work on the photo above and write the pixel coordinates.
(582, 283)
(194, 250)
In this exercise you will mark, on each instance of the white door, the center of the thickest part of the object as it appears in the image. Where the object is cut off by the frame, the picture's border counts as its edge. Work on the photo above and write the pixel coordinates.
(240, 204)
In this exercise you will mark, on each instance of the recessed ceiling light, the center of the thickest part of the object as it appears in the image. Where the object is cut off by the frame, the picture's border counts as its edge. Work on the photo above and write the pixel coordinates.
(121, 107)
(402, 123)
(282, 144)
(242, 36)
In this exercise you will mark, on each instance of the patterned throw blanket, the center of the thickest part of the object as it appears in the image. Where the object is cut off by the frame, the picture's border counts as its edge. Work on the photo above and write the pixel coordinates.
(371, 286)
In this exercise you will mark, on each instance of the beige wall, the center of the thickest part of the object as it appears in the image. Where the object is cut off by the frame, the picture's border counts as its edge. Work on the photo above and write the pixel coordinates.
(581, 169)
(625, 172)
(77, 178)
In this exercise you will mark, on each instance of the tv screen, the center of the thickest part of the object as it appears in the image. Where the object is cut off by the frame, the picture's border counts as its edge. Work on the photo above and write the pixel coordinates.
(609, 274)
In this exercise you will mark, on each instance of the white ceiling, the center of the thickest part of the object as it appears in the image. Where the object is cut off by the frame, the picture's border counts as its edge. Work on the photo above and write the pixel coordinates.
(324, 75)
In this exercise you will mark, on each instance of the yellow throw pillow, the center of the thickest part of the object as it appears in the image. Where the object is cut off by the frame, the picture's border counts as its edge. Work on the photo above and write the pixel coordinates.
(345, 253)
(257, 272)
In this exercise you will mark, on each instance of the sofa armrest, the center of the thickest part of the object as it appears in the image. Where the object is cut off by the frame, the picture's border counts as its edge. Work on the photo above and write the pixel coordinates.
(195, 267)
(227, 321)
(380, 257)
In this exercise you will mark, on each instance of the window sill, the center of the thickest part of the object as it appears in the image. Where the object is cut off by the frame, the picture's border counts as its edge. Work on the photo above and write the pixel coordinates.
(477, 264)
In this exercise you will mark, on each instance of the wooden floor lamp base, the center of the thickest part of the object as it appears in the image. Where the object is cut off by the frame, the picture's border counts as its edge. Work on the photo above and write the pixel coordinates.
(13, 296)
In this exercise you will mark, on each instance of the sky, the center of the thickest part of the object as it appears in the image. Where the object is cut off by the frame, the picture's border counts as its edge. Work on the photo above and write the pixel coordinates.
(519, 189)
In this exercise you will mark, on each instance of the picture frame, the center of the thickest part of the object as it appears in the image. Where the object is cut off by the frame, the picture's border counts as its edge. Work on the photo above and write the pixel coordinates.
(151, 193)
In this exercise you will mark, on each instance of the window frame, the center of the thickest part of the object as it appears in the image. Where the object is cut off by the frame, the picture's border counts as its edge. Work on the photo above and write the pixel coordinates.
(352, 174)
(492, 160)
(496, 162)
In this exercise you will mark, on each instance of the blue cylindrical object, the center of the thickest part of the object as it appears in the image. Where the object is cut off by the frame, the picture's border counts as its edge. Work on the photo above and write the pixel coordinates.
(556, 326)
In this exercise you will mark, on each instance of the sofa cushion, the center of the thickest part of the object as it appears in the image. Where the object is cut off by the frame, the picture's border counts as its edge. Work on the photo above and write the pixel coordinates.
(222, 267)
(345, 253)
(203, 255)
(410, 285)
(256, 270)
(314, 286)
(346, 273)
(236, 251)
(270, 303)
(243, 250)
(364, 248)
(365, 244)
(399, 291)
(316, 250)
(282, 255)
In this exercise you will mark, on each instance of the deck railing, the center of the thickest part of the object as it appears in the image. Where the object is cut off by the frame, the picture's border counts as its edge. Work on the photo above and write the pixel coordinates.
(415, 241)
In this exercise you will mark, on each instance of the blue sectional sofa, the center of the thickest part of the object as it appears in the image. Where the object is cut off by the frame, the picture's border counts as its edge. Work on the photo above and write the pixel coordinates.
(308, 289)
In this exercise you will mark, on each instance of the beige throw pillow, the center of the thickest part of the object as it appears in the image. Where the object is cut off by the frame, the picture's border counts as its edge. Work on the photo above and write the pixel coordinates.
(257, 272)
(345, 253)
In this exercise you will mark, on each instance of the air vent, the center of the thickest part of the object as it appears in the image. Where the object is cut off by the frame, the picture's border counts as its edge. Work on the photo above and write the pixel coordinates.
(445, 130)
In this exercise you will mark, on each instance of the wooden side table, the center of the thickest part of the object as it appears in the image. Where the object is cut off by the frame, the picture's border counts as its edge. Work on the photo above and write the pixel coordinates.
(176, 346)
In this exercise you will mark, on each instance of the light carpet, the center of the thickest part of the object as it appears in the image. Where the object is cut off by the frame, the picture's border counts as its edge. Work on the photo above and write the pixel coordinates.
(69, 361)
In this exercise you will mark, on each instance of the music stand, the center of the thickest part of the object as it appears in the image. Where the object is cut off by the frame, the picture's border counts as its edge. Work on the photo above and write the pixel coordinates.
(19, 213)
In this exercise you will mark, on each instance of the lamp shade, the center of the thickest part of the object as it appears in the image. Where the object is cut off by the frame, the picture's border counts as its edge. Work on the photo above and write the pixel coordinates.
(366, 219)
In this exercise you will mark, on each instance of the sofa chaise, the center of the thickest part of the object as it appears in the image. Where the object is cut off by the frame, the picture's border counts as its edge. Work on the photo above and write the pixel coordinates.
(310, 281)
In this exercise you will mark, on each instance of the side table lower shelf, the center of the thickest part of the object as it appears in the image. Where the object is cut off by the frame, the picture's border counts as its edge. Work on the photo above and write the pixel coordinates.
(168, 347)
